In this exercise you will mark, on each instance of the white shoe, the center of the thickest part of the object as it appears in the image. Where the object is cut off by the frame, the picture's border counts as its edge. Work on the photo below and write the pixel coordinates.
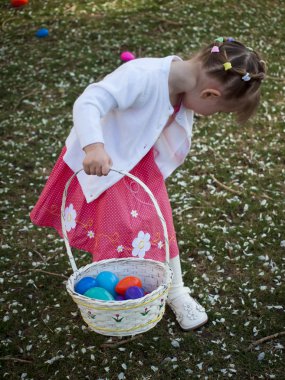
(189, 313)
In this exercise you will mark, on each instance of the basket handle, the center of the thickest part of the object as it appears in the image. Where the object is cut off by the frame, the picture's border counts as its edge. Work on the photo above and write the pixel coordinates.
(154, 201)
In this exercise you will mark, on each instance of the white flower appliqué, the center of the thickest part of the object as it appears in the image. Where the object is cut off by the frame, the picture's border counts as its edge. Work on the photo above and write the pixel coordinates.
(134, 213)
(141, 244)
(160, 244)
(90, 234)
(69, 217)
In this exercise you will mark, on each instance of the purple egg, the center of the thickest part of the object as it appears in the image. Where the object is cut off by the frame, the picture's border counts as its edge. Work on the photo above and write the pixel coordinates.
(134, 292)
(119, 298)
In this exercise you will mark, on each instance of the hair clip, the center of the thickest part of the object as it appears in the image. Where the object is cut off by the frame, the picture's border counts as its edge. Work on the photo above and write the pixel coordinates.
(219, 39)
(230, 39)
(215, 49)
(249, 48)
(227, 66)
(246, 77)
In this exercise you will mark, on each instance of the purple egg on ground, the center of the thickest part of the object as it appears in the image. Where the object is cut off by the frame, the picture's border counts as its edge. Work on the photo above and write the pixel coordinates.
(134, 292)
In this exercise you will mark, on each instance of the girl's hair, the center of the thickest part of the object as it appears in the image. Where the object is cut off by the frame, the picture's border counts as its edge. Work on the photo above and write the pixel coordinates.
(241, 76)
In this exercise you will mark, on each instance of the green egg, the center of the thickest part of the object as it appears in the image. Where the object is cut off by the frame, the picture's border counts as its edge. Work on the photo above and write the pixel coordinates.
(99, 294)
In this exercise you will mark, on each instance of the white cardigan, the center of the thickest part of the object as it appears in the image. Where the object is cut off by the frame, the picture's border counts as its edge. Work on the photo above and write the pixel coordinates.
(127, 111)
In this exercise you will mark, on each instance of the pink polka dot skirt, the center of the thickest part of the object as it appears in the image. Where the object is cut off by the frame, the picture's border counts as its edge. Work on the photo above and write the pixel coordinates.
(122, 222)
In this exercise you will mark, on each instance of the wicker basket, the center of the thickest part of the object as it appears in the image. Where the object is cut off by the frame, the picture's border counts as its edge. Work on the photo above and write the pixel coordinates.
(129, 317)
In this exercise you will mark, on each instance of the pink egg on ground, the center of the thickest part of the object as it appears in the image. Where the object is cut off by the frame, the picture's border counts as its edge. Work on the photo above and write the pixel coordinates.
(127, 56)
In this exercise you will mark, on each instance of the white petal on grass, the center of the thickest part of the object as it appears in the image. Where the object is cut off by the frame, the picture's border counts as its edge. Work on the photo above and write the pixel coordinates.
(54, 359)
(175, 343)
(200, 365)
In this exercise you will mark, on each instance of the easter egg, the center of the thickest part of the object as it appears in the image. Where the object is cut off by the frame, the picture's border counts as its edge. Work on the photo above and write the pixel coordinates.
(99, 294)
(19, 3)
(134, 292)
(127, 56)
(84, 284)
(118, 297)
(107, 280)
(127, 282)
(41, 33)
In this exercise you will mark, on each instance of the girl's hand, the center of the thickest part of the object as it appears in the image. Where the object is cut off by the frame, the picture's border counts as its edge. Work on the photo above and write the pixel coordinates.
(96, 161)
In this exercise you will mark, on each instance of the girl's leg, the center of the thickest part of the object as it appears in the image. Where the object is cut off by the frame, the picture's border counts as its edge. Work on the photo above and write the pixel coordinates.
(189, 313)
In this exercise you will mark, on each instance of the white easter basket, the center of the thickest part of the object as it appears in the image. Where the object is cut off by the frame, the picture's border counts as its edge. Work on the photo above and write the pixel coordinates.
(129, 317)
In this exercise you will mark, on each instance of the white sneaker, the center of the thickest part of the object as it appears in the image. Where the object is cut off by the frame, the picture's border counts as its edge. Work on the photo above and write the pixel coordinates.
(189, 313)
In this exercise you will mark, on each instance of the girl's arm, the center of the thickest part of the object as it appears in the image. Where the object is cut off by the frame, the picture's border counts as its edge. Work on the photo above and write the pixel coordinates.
(121, 89)
(88, 110)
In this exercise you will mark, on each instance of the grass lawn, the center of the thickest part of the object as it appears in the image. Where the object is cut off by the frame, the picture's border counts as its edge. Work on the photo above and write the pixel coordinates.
(227, 199)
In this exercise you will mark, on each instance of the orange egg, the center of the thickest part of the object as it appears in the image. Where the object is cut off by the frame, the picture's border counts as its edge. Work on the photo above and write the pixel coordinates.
(127, 282)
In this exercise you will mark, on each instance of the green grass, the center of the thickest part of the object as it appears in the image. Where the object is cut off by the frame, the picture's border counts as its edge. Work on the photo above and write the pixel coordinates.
(232, 245)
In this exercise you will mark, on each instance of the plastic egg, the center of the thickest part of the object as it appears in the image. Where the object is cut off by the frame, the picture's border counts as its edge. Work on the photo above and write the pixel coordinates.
(127, 282)
(41, 33)
(118, 297)
(134, 292)
(84, 284)
(108, 281)
(127, 56)
(99, 294)
(19, 3)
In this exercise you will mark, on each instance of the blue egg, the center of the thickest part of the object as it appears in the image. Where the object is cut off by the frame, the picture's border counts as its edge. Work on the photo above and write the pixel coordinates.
(41, 33)
(99, 294)
(84, 284)
(107, 280)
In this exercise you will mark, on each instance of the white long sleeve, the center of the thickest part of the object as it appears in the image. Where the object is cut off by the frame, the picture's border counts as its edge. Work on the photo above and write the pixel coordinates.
(122, 89)
(89, 108)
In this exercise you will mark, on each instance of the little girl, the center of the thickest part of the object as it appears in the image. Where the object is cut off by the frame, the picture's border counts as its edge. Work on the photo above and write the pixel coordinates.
(139, 119)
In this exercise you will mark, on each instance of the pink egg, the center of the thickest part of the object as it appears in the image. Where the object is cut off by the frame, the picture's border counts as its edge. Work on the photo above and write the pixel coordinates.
(127, 56)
